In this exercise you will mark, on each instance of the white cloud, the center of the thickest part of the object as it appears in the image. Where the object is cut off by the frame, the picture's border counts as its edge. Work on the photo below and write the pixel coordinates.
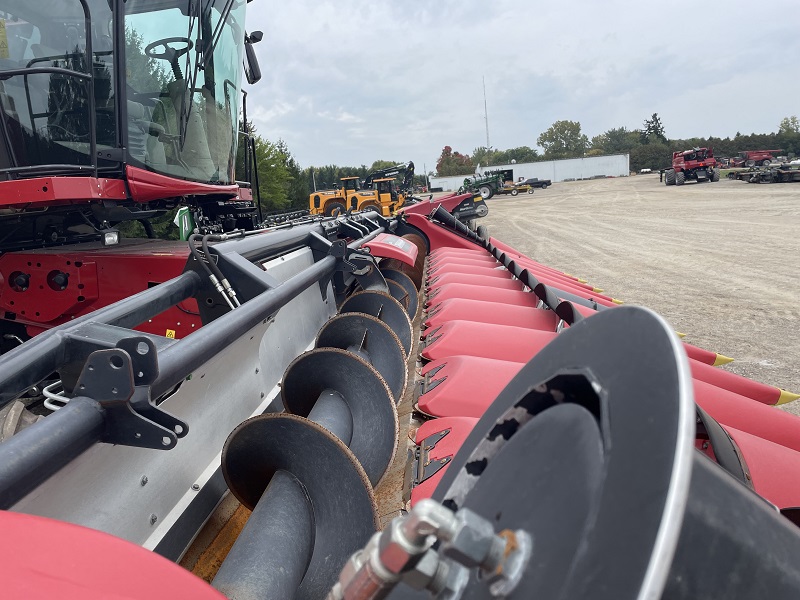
(352, 81)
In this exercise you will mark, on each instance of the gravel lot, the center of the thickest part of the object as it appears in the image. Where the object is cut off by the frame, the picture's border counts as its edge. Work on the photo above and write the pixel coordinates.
(718, 260)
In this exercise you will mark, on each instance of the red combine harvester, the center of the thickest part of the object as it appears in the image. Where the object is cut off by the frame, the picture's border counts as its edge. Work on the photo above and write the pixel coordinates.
(106, 121)
(752, 158)
(696, 164)
(564, 444)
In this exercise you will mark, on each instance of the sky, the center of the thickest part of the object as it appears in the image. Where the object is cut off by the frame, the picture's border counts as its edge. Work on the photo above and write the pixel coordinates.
(348, 82)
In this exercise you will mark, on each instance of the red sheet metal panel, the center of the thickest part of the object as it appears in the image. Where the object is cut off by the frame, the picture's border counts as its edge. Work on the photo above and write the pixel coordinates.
(466, 386)
(45, 559)
(735, 383)
(460, 309)
(768, 464)
(479, 292)
(498, 283)
(458, 428)
(96, 277)
(501, 342)
(53, 191)
(146, 186)
(386, 245)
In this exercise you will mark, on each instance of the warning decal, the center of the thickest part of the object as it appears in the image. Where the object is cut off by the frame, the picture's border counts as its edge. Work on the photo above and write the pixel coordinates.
(3, 40)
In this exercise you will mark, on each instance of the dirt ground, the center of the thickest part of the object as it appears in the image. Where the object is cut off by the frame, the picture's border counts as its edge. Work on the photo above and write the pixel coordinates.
(718, 260)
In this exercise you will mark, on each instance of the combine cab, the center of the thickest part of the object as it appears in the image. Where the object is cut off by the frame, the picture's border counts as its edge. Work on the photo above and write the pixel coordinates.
(112, 115)
(696, 164)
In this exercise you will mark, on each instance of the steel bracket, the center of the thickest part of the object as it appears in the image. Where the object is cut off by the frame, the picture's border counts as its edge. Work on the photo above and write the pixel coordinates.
(354, 261)
(419, 466)
(132, 419)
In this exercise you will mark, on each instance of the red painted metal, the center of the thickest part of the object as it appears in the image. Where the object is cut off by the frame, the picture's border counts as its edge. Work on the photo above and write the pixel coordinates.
(479, 265)
(98, 276)
(469, 384)
(461, 290)
(386, 245)
(53, 191)
(735, 383)
(438, 237)
(480, 292)
(501, 342)
(755, 418)
(461, 309)
(498, 283)
(487, 271)
(425, 207)
(768, 464)
(45, 559)
(147, 186)
(459, 428)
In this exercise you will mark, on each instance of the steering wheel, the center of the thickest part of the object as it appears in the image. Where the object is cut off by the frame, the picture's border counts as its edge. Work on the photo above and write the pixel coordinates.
(170, 54)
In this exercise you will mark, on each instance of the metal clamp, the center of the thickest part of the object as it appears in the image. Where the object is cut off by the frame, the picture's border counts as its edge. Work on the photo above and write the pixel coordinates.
(360, 263)
(110, 377)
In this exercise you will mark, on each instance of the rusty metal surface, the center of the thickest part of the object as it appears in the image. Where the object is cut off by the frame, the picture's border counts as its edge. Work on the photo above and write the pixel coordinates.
(389, 493)
(215, 540)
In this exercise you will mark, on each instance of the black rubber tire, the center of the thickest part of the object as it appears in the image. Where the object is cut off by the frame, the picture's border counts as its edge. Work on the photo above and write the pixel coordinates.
(514, 192)
(333, 206)
(530, 190)
(372, 207)
(669, 177)
(486, 192)
(680, 178)
(767, 162)
(544, 186)
(715, 175)
(749, 163)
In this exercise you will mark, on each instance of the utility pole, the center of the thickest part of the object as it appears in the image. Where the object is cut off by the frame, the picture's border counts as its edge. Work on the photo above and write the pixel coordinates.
(486, 118)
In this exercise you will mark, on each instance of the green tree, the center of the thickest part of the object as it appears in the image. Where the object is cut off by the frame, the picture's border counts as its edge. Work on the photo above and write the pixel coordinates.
(454, 163)
(563, 139)
(789, 125)
(653, 131)
(615, 141)
(651, 156)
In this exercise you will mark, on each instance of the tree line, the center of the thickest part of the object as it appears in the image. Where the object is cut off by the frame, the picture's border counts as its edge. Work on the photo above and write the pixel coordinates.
(648, 147)
(285, 185)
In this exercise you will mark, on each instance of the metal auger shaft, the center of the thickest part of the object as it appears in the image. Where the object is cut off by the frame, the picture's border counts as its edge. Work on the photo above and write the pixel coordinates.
(292, 468)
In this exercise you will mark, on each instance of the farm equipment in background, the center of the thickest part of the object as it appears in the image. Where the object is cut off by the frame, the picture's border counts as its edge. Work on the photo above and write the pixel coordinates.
(515, 188)
(696, 164)
(378, 192)
(775, 174)
(754, 158)
(486, 185)
(337, 200)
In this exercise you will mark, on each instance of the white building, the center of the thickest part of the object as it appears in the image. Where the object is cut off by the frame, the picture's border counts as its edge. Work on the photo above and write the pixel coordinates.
(568, 169)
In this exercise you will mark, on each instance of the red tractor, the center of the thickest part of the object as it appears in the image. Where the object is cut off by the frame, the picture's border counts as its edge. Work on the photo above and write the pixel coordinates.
(751, 158)
(696, 164)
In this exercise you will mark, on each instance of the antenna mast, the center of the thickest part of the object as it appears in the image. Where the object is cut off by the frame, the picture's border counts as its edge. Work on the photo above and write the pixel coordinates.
(486, 113)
